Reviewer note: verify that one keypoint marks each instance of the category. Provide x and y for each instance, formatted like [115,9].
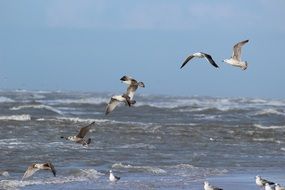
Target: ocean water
[162,142]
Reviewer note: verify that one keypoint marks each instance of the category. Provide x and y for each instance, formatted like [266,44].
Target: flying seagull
[261,182]
[116,100]
[200,55]
[112,177]
[133,85]
[79,138]
[35,167]
[207,186]
[235,60]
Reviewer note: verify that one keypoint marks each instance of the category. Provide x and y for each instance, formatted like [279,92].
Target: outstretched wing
[237,50]
[51,167]
[29,172]
[131,91]
[84,130]
[111,105]
[210,60]
[187,60]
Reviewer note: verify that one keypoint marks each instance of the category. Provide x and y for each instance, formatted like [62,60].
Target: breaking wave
[138,145]
[37,107]
[24,117]
[81,175]
[268,127]
[92,101]
[269,111]
[149,169]
[4,99]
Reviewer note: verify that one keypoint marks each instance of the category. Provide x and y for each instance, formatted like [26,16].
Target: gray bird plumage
[235,59]
[35,167]
[133,85]
[116,100]
[79,138]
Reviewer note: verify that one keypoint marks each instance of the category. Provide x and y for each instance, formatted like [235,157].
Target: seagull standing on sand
[35,167]
[235,60]
[79,138]
[116,100]
[200,55]
[261,182]
[207,186]
[133,85]
[112,177]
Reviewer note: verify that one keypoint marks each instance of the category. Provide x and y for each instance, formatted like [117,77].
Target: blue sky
[88,45]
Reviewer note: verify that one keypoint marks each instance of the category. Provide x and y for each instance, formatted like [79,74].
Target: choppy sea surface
[162,142]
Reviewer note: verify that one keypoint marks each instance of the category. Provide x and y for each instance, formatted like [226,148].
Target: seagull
[112,177]
[207,186]
[35,167]
[133,85]
[115,100]
[268,187]
[79,138]
[235,60]
[278,187]
[261,182]
[200,55]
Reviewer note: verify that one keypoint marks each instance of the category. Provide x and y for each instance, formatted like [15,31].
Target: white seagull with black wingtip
[235,60]
[79,138]
[35,167]
[200,55]
[112,177]
[133,85]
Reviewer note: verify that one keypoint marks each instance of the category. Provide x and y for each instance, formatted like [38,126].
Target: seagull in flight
[79,138]
[235,60]
[200,55]
[116,100]
[35,167]
[133,85]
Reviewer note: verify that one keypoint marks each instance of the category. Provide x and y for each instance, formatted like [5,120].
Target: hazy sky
[88,45]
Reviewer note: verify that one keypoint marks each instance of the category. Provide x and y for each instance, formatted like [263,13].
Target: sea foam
[37,107]
[149,169]
[24,117]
